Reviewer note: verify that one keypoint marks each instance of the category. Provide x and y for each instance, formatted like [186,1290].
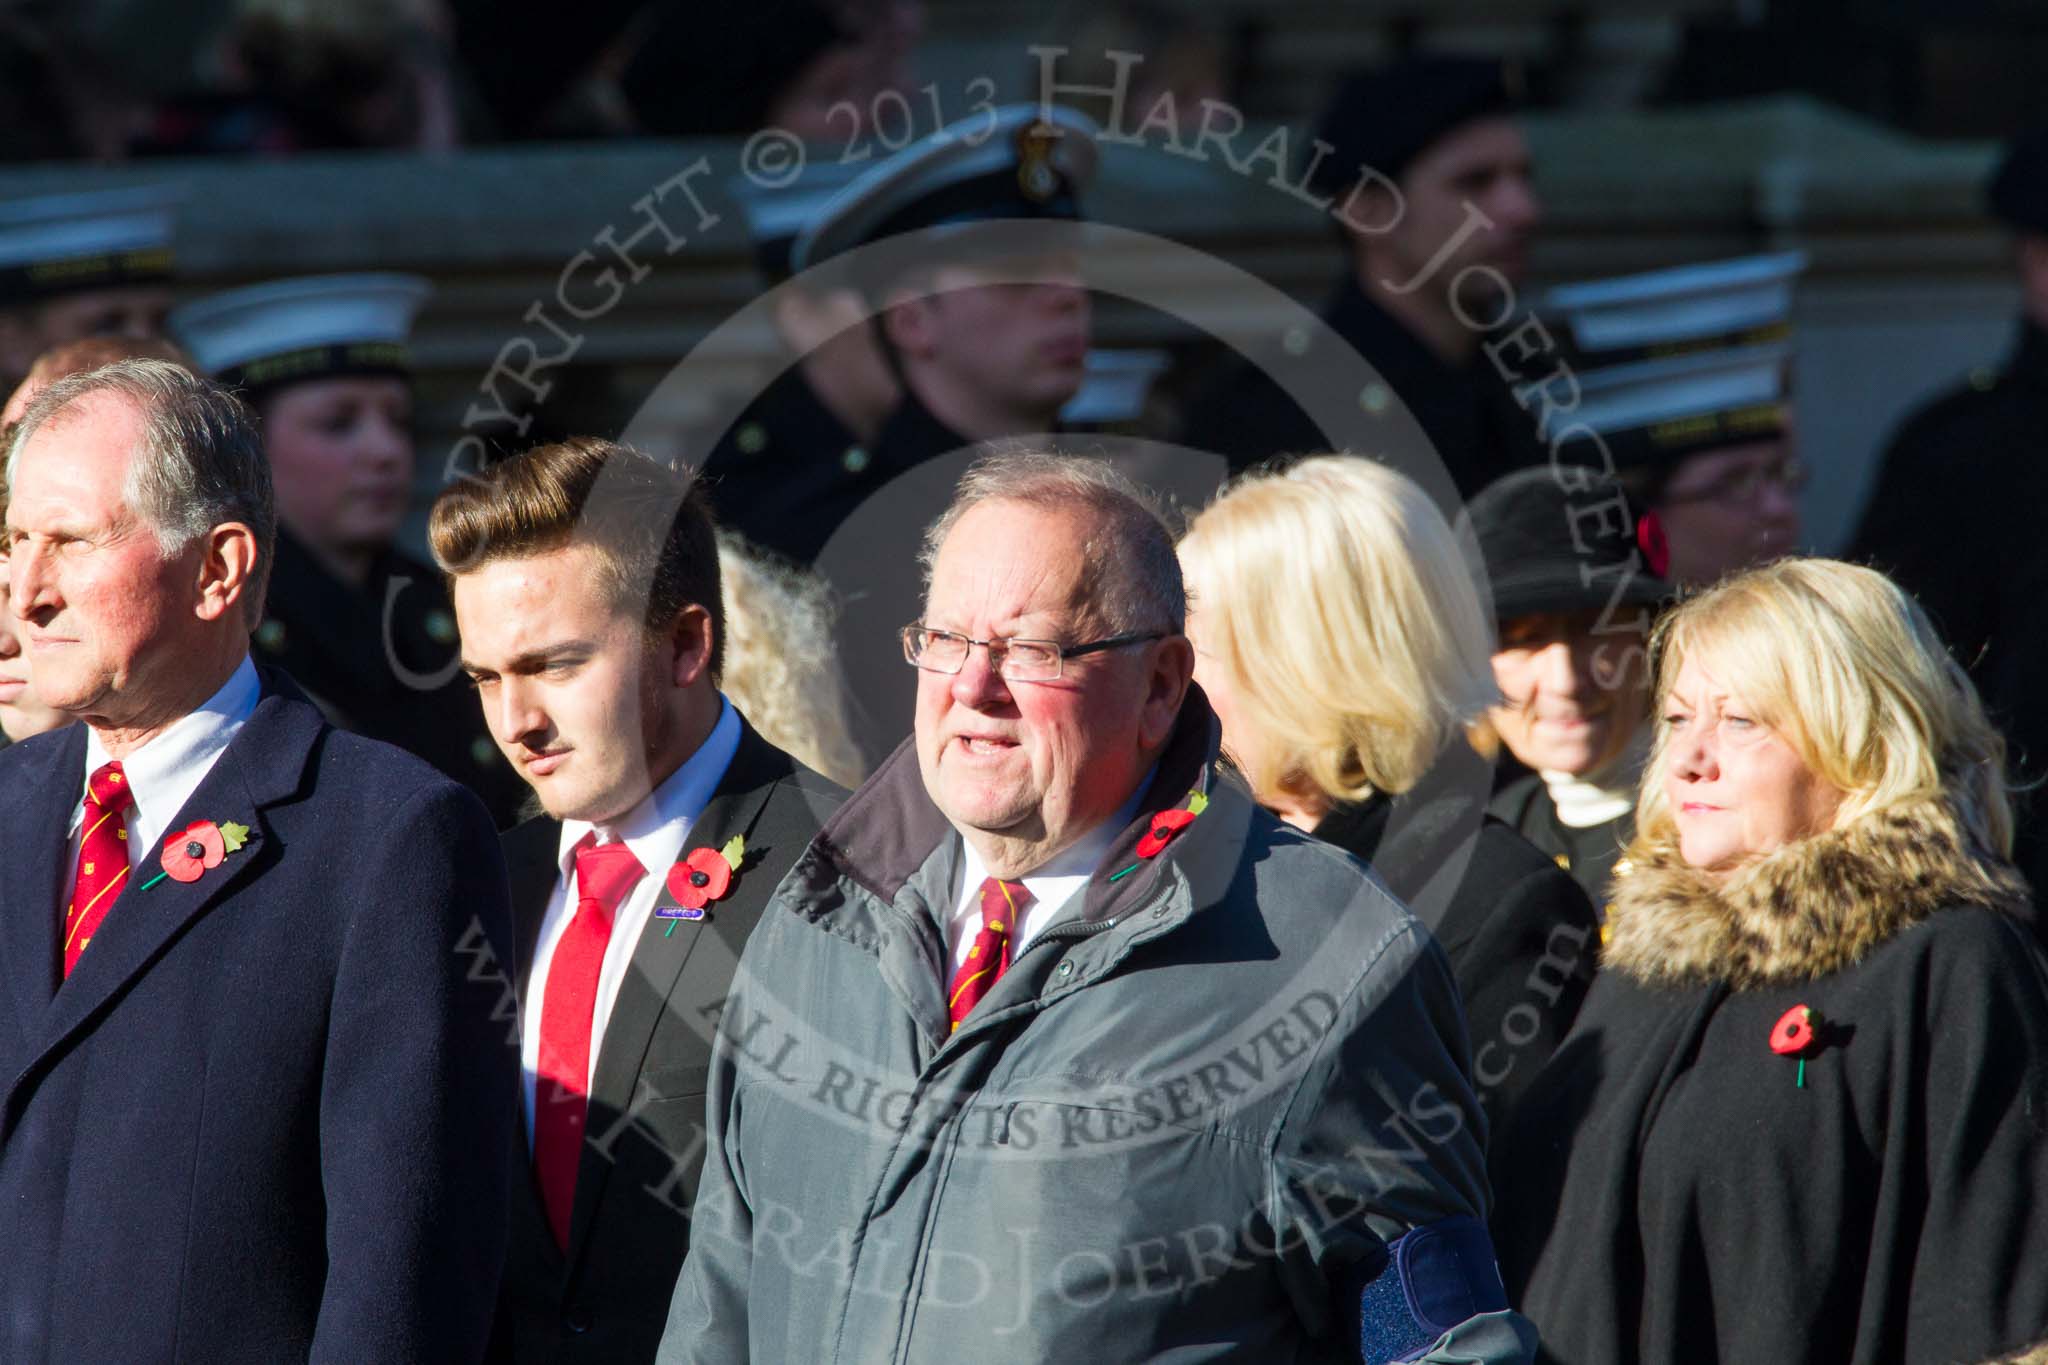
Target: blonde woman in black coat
[1800,1116]
[1339,637]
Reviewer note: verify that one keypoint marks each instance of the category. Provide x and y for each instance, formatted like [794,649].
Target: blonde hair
[1334,594]
[780,667]
[1842,663]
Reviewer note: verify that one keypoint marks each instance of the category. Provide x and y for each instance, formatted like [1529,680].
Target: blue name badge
[676,912]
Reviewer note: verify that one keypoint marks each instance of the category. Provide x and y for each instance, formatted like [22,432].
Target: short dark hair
[651,525]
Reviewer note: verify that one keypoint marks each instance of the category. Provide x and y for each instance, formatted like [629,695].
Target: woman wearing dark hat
[1573,595]
[365,630]
[1799,1117]
[1340,640]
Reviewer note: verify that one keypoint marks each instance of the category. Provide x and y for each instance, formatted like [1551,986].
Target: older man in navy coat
[252,1090]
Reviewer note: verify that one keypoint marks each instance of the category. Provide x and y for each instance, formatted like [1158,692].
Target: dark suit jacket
[607,1299]
[262,1119]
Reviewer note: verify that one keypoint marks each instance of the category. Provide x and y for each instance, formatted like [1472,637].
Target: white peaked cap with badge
[1683,359]
[778,214]
[323,322]
[1683,304]
[1017,161]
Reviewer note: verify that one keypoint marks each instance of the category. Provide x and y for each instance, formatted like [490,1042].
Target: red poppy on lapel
[1794,1031]
[1165,825]
[705,874]
[1797,1033]
[196,848]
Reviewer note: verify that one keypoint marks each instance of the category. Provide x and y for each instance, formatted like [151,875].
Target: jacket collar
[890,829]
[264,766]
[1812,908]
[879,876]
[1395,352]
[533,847]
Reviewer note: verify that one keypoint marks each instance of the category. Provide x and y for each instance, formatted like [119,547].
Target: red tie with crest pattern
[561,1095]
[102,858]
[1002,903]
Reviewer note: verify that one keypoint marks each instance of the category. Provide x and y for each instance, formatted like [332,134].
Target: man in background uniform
[368,632]
[810,431]
[79,265]
[988,343]
[1440,130]
[986,324]
[1954,518]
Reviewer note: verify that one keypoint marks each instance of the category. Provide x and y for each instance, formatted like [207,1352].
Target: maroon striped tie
[1001,904]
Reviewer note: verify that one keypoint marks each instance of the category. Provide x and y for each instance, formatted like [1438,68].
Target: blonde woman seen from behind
[781,670]
[1798,1117]
[1340,639]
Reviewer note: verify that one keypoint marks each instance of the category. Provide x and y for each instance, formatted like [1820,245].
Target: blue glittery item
[1436,1277]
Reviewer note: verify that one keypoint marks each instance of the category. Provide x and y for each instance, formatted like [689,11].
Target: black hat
[708,70]
[1566,540]
[1386,118]
[2019,187]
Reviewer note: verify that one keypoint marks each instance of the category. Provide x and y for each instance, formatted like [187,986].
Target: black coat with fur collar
[1672,1191]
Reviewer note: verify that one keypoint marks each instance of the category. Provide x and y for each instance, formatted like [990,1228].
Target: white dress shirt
[165,772]
[657,830]
[1051,886]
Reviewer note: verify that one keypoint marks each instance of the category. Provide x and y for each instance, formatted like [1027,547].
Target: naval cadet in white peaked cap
[367,631]
[78,265]
[1684,379]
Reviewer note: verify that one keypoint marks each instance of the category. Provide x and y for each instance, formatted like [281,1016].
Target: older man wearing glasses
[1054,1046]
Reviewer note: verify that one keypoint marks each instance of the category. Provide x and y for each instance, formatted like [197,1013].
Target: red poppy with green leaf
[705,874]
[200,846]
[1165,825]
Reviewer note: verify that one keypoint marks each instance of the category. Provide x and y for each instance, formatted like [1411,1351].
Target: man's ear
[1166,688]
[228,561]
[910,324]
[689,644]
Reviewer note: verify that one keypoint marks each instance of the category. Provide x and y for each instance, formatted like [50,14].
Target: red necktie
[102,859]
[1002,903]
[604,874]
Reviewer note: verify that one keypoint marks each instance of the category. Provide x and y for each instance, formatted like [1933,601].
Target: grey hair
[1136,574]
[200,463]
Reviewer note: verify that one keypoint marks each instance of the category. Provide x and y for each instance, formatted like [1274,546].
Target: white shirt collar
[1052,886]
[164,772]
[658,827]
[656,831]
